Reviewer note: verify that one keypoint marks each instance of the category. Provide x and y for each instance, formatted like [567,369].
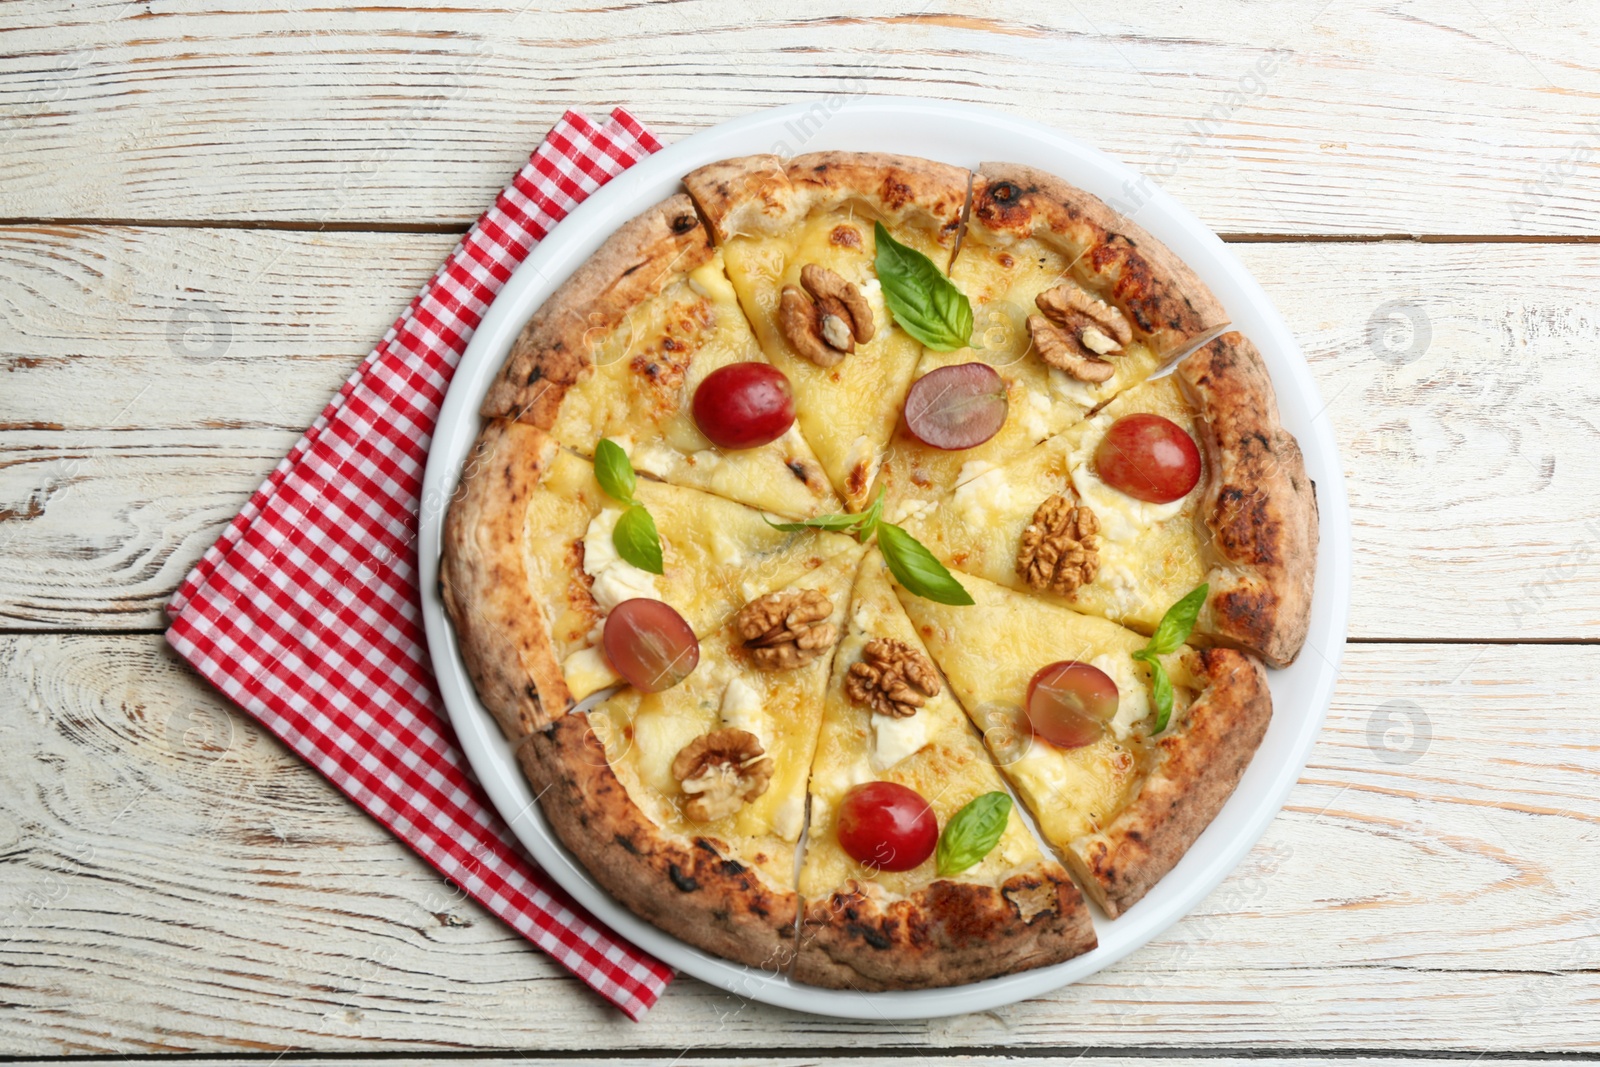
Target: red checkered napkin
[306,611]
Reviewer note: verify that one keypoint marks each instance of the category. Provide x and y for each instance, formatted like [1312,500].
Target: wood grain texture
[689,1058]
[98,529]
[114,327]
[1458,379]
[173,880]
[1301,117]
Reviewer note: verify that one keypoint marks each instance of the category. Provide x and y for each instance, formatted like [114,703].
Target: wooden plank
[174,881]
[97,529]
[1458,380]
[205,329]
[1099,1057]
[1358,117]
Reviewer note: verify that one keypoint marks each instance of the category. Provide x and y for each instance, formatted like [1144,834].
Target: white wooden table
[208,213]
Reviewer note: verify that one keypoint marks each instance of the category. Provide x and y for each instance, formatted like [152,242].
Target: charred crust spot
[626,844]
[684,882]
[1001,207]
[965,910]
[845,236]
[732,868]
[682,224]
[534,375]
[896,193]
[1249,612]
[870,934]
[856,481]
[1246,526]
[669,345]
[707,847]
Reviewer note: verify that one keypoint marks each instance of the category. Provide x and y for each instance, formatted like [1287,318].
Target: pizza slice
[620,351]
[688,804]
[885,910]
[799,242]
[1072,304]
[1069,715]
[531,569]
[1074,520]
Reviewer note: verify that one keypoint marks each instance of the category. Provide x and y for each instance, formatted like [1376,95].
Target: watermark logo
[199,329]
[202,733]
[1399,732]
[1399,332]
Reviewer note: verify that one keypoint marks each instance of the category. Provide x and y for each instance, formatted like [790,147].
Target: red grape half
[650,644]
[1149,458]
[1069,703]
[887,826]
[744,405]
[957,407]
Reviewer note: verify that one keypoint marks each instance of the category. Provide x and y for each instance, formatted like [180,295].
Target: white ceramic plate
[963,135]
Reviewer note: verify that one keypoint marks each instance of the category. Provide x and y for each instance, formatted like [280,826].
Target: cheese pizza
[854,540]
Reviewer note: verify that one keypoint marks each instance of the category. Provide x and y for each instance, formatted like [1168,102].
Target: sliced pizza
[917,870]
[531,569]
[800,245]
[1072,304]
[621,351]
[1182,480]
[688,804]
[1119,786]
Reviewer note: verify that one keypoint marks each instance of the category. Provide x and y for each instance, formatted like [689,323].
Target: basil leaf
[1178,622]
[839,523]
[636,539]
[860,523]
[873,515]
[1160,692]
[914,567]
[972,833]
[614,472]
[925,303]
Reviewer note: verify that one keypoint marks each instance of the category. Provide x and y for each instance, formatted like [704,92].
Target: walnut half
[1060,547]
[826,325]
[1076,331]
[892,678]
[787,629]
[721,771]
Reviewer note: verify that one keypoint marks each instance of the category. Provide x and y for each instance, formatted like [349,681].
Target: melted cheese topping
[743,708]
[847,411]
[615,579]
[639,388]
[935,752]
[895,737]
[989,651]
[1002,278]
[1150,554]
[1122,517]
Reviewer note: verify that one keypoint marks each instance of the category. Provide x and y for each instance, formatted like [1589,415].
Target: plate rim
[946,126]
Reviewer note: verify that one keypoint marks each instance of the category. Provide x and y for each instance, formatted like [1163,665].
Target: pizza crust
[1258,509]
[483,578]
[949,933]
[765,196]
[1112,255]
[1198,764]
[688,887]
[553,350]
[1258,506]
